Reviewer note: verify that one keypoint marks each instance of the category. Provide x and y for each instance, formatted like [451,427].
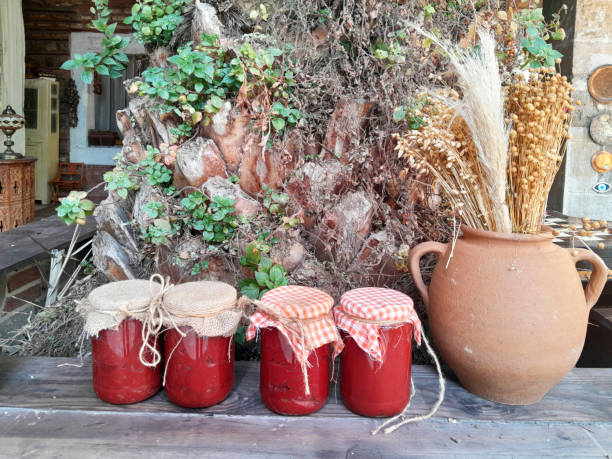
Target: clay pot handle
[416,254]
[599,276]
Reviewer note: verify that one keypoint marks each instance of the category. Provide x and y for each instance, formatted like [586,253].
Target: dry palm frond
[482,109]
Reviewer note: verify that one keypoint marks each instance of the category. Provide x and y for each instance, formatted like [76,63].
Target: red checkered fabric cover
[376,304]
[304,303]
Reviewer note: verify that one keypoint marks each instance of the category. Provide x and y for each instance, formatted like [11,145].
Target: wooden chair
[70,176]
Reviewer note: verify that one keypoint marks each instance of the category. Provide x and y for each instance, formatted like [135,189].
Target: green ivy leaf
[277,273]
[278,123]
[87,76]
[262,278]
[249,288]
[68,65]
[102,70]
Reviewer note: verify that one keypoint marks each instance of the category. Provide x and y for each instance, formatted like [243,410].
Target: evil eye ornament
[602,187]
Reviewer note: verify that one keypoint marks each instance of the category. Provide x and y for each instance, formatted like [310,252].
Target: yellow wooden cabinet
[41,112]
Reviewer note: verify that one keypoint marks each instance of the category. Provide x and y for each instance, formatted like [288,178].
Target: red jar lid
[363,311]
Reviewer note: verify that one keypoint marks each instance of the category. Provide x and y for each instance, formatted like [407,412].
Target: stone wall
[592,48]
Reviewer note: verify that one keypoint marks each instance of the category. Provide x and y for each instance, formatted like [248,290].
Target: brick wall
[19,287]
[48,25]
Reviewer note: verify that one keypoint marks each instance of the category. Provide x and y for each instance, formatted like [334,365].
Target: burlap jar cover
[303,316]
[110,304]
[364,311]
[208,307]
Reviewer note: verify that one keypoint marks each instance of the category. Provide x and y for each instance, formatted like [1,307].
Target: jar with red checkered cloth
[297,328]
[377,328]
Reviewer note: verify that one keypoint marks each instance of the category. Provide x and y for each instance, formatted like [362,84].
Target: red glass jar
[282,381]
[119,376]
[372,388]
[200,370]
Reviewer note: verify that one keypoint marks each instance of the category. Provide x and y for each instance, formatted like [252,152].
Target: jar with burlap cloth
[116,316]
[377,327]
[200,320]
[296,331]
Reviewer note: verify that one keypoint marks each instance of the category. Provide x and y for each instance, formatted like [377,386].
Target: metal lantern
[9,123]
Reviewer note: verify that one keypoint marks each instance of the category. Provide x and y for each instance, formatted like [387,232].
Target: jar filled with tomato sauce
[297,331]
[201,319]
[125,370]
[377,326]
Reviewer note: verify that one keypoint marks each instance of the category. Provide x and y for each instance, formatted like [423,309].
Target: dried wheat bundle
[539,108]
[482,109]
[444,150]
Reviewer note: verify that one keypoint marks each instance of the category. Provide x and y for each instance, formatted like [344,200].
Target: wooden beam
[49,408]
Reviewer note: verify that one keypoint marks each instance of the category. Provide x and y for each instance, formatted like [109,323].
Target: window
[111,96]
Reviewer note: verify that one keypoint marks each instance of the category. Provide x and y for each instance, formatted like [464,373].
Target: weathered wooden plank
[74,434]
[585,395]
[17,247]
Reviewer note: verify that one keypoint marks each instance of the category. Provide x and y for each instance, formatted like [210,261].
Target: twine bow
[292,328]
[154,320]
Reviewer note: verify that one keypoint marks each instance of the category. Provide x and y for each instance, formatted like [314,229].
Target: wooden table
[49,409]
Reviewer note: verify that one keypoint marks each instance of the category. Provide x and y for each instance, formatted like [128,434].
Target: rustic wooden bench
[26,243]
[48,409]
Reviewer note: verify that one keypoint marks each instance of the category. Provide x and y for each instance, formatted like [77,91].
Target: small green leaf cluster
[268,275]
[537,51]
[412,113]
[154,209]
[111,61]
[202,77]
[284,115]
[182,130]
[215,219]
[324,14]
[154,21]
[159,232]
[393,51]
[75,208]
[428,11]
[199,267]
[155,172]
[123,180]
[197,83]
[262,13]
[120,181]
[273,201]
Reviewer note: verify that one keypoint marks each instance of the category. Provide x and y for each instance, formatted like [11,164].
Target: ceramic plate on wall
[600,84]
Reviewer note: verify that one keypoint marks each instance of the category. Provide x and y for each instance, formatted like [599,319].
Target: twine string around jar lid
[292,326]
[154,320]
[295,329]
[182,306]
[384,307]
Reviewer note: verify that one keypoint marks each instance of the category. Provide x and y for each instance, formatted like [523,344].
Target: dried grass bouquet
[494,151]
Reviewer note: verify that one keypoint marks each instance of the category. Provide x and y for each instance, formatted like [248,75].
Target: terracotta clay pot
[508,312]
